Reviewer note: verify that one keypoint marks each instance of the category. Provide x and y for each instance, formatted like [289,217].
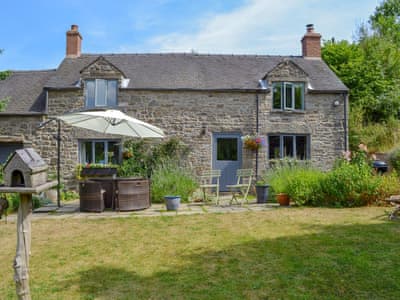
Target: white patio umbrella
[112,121]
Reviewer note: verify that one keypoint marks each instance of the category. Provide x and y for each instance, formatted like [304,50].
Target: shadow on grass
[335,262]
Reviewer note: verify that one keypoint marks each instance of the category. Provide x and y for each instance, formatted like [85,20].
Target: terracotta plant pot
[283,199]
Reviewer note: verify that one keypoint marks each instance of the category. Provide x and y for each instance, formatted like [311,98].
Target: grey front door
[227,156]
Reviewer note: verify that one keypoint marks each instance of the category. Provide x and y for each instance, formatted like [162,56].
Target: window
[6,149]
[294,146]
[288,95]
[101,92]
[227,149]
[99,152]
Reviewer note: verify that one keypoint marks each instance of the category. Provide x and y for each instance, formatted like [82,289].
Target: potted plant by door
[262,191]
[283,199]
[279,187]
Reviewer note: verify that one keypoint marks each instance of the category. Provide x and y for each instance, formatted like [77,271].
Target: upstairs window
[101,92]
[288,95]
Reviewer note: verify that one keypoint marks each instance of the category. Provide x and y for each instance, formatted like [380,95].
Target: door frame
[215,136]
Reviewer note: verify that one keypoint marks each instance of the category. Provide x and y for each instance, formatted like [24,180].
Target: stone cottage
[295,103]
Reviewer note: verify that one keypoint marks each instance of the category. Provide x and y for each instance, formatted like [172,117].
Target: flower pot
[108,171]
[172,202]
[283,199]
[262,193]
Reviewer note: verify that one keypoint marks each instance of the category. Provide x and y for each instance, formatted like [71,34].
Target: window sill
[288,111]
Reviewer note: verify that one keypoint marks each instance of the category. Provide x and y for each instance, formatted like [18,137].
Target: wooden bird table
[21,261]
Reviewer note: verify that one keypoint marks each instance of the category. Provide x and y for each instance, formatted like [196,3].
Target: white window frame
[292,85]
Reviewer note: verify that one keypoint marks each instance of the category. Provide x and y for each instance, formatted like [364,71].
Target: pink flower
[363,147]
[347,155]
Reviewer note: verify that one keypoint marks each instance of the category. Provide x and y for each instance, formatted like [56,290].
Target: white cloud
[249,29]
[267,27]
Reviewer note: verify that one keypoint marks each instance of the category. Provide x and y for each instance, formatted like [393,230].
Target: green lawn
[306,253]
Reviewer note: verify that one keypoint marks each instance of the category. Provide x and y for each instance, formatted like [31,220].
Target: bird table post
[25,173]
[21,261]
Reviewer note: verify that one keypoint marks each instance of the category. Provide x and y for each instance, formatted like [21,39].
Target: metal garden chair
[242,186]
[209,180]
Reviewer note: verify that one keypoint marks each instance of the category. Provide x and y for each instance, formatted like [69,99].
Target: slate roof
[24,91]
[195,71]
[161,71]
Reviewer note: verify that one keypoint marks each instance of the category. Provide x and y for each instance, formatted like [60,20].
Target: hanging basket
[253,143]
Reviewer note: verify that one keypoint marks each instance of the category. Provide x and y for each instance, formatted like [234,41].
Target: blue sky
[33,32]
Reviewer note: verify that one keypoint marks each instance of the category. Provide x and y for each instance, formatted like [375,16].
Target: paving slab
[71,210]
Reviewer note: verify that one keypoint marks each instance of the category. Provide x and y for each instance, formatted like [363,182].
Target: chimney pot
[311,43]
[310,27]
[74,42]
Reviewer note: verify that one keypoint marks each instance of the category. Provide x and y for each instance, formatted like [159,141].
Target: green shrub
[389,185]
[171,179]
[304,186]
[394,159]
[14,200]
[352,183]
[279,174]
[68,195]
[379,137]
[140,158]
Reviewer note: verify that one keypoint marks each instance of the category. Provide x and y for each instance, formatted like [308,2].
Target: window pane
[101,92]
[288,95]
[277,95]
[99,153]
[87,153]
[274,146]
[112,86]
[301,147]
[298,94]
[90,93]
[288,146]
[227,149]
[113,152]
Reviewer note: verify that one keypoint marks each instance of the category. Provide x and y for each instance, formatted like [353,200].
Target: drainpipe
[346,122]
[58,162]
[257,128]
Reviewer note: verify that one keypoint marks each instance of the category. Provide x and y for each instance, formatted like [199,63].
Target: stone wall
[321,120]
[192,116]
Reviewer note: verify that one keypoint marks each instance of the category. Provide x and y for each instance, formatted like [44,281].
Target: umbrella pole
[58,162]
[58,138]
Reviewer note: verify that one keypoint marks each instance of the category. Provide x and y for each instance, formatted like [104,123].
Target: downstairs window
[99,151]
[290,146]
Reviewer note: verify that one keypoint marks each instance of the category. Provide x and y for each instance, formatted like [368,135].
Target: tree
[385,21]
[4,74]
[370,68]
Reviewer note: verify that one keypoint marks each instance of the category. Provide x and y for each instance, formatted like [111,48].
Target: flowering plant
[252,142]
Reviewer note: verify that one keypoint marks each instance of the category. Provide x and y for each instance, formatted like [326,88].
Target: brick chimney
[311,43]
[74,40]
